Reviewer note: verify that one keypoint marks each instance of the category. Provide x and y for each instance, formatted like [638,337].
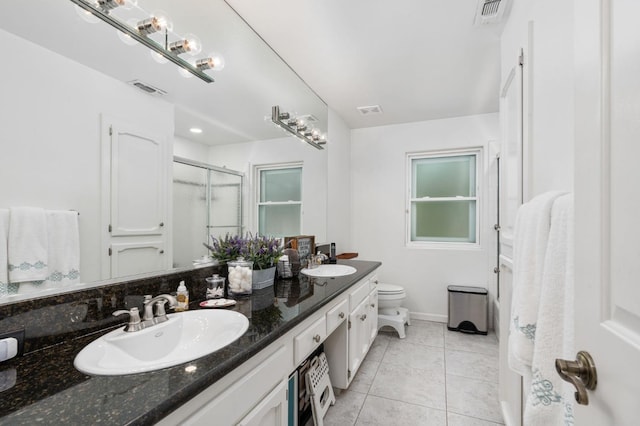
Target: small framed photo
[305,244]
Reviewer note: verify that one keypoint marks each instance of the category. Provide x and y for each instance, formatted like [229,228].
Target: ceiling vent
[370,110]
[309,118]
[147,88]
[490,11]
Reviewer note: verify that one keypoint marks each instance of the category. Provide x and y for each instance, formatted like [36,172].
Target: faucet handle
[134,319]
[148,308]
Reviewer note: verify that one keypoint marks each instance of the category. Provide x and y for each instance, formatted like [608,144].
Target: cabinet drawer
[336,315]
[305,342]
[373,282]
[358,295]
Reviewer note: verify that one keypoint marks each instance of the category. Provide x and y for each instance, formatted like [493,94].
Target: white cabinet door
[358,336]
[134,202]
[271,411]
[372,317]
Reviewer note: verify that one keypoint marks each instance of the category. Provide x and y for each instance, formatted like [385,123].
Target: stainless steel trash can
[468,309]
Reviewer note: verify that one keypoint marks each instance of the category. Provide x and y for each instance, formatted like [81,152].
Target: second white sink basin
[184,337]
[328,271]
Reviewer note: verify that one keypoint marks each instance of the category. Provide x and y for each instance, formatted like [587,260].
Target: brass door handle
[581,373]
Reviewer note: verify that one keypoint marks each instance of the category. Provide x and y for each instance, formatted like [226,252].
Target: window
[279,200]
[443,201]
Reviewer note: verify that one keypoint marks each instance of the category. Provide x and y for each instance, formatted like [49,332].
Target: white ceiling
[417,59]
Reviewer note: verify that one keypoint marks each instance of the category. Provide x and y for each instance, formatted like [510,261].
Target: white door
[134,203]
[607,197]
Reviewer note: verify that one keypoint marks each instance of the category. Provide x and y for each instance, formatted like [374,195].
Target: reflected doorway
[207,200]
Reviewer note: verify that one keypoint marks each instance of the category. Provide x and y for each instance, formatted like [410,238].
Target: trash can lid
[466,289]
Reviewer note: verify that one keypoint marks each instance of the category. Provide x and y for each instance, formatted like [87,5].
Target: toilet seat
[389,289]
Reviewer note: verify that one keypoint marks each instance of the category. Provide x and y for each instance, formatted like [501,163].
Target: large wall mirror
[64,78]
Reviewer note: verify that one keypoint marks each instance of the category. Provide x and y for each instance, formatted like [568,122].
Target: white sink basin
[184,337]
[328,271]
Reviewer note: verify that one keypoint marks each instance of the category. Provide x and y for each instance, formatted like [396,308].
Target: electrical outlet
[19,336]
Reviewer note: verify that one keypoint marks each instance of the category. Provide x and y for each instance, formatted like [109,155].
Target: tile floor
[433,377]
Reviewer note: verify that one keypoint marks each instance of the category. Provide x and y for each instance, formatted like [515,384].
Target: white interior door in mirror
[133,258]
[135,167]
[137,183]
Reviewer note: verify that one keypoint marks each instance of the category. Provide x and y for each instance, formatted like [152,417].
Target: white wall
[339,183]
[50,111]
[243,157]
[378,189]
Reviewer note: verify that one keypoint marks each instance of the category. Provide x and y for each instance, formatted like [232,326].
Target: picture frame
[305,244]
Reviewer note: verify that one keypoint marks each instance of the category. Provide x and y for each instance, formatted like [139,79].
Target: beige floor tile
[385,412]
[473,398]
[379,346]
[474,365]
[411,385]
[471,342]
[425,333]
[346,409]
[415,355]
[364,376]
[458,420]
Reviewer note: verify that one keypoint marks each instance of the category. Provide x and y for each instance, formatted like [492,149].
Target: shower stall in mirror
[207,200]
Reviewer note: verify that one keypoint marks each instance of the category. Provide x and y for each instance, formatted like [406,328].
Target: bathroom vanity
[243,383]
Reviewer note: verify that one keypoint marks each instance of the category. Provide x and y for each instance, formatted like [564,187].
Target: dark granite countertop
[49,390]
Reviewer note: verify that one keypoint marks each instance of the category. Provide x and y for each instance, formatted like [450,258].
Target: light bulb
[213,62]
[195,46]
[158,21]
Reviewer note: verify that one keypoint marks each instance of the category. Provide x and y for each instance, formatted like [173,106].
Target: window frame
[258,169]
[448,244]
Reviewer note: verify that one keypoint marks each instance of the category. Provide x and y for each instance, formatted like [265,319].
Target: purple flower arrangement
[263,251]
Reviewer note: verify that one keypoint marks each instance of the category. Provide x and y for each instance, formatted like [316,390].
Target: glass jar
[215,287]
[240,277]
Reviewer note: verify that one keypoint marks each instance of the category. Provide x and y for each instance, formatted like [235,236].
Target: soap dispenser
[182,295]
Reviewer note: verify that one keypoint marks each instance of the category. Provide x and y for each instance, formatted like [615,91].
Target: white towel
[4,260]
[64,248]
[28,244]
[529,246]
[550,399]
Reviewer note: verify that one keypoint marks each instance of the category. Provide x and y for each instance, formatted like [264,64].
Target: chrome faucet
[134,319]
[149,319]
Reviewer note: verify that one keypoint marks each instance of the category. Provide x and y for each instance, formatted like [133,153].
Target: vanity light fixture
[140,31]
[297,128]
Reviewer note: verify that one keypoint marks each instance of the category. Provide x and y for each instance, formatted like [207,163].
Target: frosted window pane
[452,221]
[281,185]
[444,176]
[279,220]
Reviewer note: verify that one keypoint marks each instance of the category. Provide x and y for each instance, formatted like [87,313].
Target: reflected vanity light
[297,128]
[142,29]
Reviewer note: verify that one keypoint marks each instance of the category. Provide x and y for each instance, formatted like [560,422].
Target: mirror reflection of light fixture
[157,22]
[297,128]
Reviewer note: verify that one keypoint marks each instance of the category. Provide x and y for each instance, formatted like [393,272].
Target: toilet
[390,313]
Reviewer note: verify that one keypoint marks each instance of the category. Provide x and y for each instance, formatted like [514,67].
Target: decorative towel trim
[26,266]
[529,330]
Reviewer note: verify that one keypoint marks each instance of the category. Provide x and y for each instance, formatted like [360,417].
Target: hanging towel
[64,248]
[4,260]
[28,244]
[529,245]
[550,399]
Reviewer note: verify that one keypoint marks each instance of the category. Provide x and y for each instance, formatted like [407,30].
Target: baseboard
[428,317]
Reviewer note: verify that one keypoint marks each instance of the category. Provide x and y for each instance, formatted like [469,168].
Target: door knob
[581,373]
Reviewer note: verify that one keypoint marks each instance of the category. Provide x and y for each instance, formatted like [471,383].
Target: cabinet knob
[363,317]
[317,338]
[161,224]
[373,305]
[161,251]
[341,314]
